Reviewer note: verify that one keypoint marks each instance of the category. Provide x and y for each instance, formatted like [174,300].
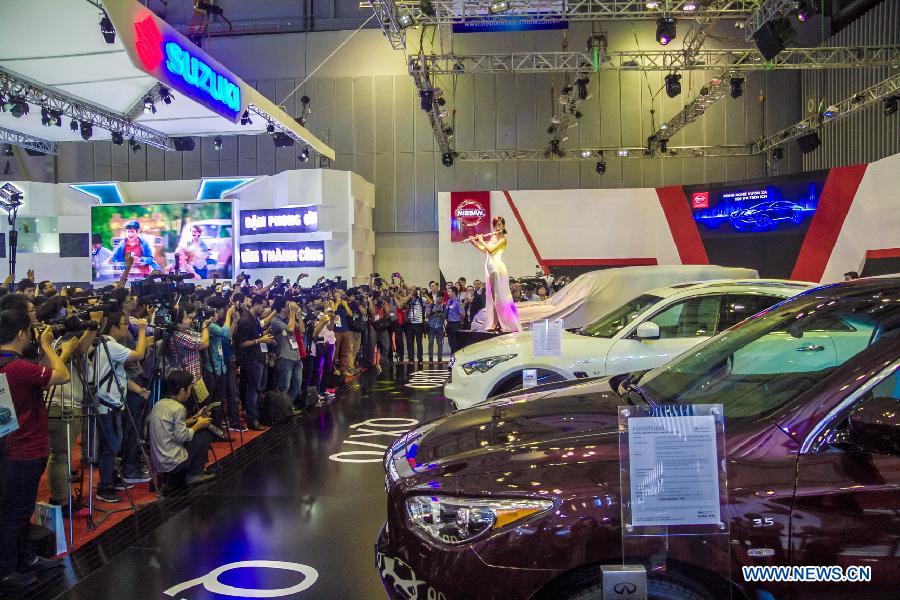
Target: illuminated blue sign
[215,189]
[282,255]
[104,193]
[198,74]
[784,206]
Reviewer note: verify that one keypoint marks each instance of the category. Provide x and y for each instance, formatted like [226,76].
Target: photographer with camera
[186,343]
[454,313]
[221,359]
[323,335]
[343,338]
[288,368]
[252,346]
[414,327]
[379,317]
[359,328]
[179,446]
[111,354]
[23,453]
[434,308]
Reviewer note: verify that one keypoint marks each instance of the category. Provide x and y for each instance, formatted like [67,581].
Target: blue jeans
[19,481]
[288,377]
[110,443]
[253,375]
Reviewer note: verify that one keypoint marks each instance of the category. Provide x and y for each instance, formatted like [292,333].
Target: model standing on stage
[499,310]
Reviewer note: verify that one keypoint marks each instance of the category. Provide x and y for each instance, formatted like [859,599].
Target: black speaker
[773,37]
[184,144]
[282,140]
[808,142]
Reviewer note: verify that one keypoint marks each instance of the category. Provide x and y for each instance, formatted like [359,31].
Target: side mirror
[648,330]
[875,425]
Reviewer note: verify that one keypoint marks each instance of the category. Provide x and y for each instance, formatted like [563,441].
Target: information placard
[295,219]
[546,338]
[8,420]
[529,378]
[271,255]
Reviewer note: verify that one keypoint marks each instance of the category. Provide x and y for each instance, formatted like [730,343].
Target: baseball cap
[132,225]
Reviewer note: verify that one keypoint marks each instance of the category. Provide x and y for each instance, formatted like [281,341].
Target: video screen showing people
[193,238]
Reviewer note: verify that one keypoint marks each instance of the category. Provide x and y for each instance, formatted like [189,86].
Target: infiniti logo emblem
[625,587]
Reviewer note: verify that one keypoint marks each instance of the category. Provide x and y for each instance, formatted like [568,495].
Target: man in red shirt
[24,452]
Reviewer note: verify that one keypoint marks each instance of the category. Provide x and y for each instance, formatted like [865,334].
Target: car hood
[502,434]
[520,343]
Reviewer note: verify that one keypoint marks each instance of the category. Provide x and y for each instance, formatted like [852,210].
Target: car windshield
[611,324]
[761,365]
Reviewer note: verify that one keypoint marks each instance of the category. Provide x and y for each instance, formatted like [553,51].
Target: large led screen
[186,237]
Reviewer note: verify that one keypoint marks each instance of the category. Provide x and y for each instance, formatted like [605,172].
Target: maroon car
[520,497]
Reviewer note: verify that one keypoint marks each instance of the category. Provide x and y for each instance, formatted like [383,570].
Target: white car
[644,333]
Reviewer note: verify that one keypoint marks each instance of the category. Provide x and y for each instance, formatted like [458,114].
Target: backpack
[276,408]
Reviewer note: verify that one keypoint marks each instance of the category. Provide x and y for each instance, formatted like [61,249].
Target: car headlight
[483,365]
[459,520]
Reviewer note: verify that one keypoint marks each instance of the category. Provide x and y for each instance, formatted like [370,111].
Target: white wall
[413,255]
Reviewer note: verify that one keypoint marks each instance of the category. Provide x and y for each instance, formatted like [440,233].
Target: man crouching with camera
[179,445]
[23,453]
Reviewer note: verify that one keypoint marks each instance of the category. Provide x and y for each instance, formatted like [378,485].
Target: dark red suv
[520,497]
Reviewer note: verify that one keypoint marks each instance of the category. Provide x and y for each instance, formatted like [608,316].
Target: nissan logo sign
[470,213]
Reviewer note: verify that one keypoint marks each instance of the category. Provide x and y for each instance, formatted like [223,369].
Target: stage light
[441,101]
[689,7]
[586,153]
[443,114]
[808,142]
[651,4]
[245,118]
[270,127]
[737,87]
[165,94]
[582,84]
[426,99]
[87,130]
[673,84]
[133,145]
[107,29]
[304,154]
[663,126]
[831,112]
[622,153]
[554,147]
[3,103]
[210,9]
[665,30]
[578,114]
[8,150]
[890,105]
[405,20]
[217,143]
[448,131]
[73,125]
[45,117]
[777,154]
[427,8]
[447,159]
[117,138]
[663,145]
[500,6]
[149,106]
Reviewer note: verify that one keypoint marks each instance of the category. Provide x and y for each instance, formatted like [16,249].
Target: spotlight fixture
[426,99]
[831,112]
[18,106]
[497,7]
[651,4]
[443,114]
[304,154]
[304,100]
[673,84]
[270,127]
[737,87]
[808,142]
[149,106]
[405,20]
[663,145]
[601,167]
[45,117]
[245,118]
[582,84]
[117,138]
[305,111]
[577,114]
[441,101]
[689,7]
[8,150]
[107,29]
[73,125]
[890,105]
[777,154]
[427,8]
[133,145]
[663,126]
[217,143]
[165,94]
[447,159]
[586,153]
[210,8]
[665,30]
[622,153]
[87,130]
[448,131]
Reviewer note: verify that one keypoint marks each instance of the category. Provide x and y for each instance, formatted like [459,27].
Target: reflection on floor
[301,517]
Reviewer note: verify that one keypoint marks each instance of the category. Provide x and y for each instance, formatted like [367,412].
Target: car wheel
[797,218]
[764,222]
[664,587]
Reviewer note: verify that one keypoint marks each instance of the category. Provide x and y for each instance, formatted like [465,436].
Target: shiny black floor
[315,499]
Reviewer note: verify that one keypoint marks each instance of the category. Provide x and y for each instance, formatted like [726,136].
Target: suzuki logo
[148,42]
[625,587]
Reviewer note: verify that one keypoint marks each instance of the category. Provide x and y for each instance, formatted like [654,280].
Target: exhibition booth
[312,221]
[811,226]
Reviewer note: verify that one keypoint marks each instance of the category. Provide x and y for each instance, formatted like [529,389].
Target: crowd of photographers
[121,368]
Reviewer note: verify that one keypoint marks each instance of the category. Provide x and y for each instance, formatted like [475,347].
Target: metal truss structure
[846,107]
[436,114]
[387,12]
[606,152]
[279,127]
[14,85]
[739,59]
[767,10]
[710,93]
[29,142]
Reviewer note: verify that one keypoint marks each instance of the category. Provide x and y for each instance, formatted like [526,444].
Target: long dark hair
[497,220]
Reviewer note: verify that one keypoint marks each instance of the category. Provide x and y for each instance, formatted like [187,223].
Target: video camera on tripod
[163,291]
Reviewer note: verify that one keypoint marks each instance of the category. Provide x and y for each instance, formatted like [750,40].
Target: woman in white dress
[500,312]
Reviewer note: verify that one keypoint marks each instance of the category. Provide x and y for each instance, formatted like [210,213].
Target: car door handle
[811,348]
